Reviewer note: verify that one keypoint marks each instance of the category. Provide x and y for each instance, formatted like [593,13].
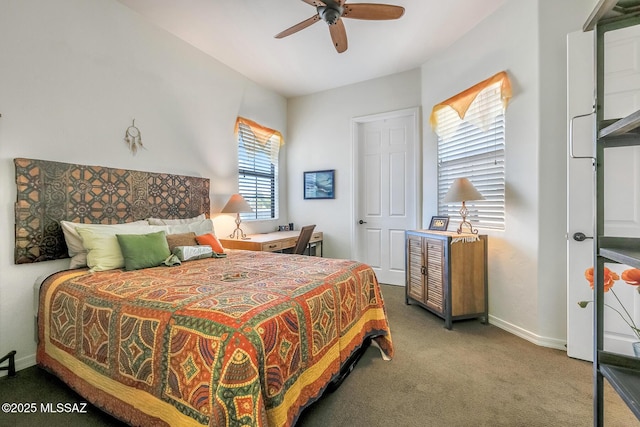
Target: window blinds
[258,149]
[474,147]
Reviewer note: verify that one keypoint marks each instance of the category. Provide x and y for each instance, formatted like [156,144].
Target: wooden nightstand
[446,273]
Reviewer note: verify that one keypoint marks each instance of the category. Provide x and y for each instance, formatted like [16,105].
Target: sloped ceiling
[240,34]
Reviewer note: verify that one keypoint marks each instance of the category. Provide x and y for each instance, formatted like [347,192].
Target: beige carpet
[473,375]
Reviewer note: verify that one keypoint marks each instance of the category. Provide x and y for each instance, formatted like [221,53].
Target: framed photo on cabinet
[439,223]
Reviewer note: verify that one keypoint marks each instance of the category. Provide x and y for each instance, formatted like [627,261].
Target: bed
[242,338]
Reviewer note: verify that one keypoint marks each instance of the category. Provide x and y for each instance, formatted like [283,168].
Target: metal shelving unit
[622,372]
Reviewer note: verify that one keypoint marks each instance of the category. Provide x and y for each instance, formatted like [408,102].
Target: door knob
[362,222]
[580,237]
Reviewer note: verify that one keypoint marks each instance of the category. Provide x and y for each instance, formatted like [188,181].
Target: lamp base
[463,213]
[468,225]
[238,233]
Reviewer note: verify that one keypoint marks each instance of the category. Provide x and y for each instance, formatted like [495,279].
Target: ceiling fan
[331,11]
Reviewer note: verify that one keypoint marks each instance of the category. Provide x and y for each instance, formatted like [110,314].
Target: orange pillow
[211,240]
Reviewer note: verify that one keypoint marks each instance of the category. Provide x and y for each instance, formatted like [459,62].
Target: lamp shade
[236,204]
[462,190]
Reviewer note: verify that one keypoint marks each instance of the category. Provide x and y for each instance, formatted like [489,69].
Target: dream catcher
[132,138]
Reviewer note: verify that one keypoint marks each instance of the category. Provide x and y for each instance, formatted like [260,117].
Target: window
[471,144]
[258,149]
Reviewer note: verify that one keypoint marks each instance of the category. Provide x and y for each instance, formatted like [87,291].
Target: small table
[271,242]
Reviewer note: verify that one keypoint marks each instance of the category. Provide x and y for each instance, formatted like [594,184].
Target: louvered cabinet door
[415,268]
[435,274]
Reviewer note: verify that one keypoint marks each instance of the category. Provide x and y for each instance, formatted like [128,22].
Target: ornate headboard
[49,192]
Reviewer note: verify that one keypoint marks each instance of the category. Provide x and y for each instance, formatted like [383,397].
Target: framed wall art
[319,184]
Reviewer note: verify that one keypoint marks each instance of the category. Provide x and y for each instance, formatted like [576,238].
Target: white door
[386,182]
[580,178]
[622,177]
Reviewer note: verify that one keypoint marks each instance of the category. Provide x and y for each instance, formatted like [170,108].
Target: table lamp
[237,204]
[462,190]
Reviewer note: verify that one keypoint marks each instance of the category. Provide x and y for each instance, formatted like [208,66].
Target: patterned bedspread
[251,339]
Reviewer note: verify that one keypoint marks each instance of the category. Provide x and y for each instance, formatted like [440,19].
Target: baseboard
[524,334]
[22,363]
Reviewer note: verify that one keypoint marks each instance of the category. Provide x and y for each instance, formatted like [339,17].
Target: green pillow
[143,250]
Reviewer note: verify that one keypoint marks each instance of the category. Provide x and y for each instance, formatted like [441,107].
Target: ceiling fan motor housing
[331,12]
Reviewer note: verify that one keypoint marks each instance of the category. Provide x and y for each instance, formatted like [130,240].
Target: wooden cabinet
[446,273]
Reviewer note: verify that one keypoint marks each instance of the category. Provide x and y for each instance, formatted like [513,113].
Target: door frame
[356,122]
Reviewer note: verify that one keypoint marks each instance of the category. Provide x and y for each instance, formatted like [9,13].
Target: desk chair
[303,239]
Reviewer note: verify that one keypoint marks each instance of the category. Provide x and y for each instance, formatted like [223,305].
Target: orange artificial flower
[632,277]
[609,277]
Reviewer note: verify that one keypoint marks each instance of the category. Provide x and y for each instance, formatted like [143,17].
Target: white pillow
[77,251]
[186,253]
[101,243]
[199,227]
[159,221]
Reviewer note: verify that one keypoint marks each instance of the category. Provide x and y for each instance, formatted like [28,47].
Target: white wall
[319,137]
[527,260]
[557,20]
[73,75]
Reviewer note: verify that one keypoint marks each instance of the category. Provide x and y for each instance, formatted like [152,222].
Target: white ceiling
[239,33]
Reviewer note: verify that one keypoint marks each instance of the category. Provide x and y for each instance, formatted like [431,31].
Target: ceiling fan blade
[372,11]
[314,3]
[339,36]
[299,26]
